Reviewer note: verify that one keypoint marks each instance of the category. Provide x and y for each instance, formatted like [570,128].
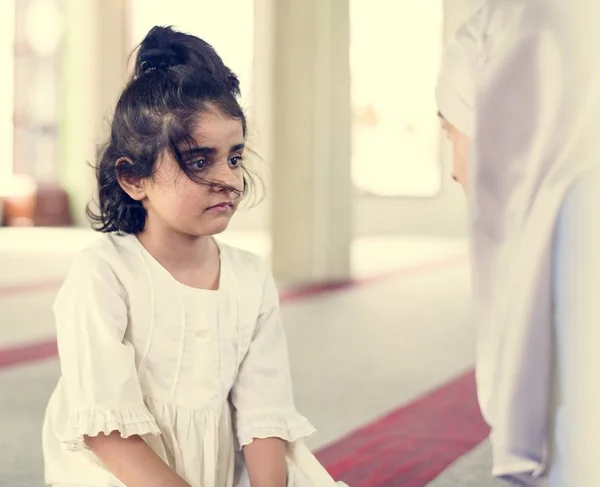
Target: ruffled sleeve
[262,395]
[99,377]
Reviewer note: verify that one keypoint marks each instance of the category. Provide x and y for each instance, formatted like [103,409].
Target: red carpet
[414,444]
[28,353]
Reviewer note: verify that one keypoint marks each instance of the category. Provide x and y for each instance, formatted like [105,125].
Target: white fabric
[575,435]
[537,99]
[196,373]
[455,87]
[303,470]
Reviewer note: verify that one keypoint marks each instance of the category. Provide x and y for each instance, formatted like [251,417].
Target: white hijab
[535,94]
[454,90]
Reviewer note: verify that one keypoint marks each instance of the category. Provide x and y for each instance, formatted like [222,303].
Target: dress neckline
[223,269]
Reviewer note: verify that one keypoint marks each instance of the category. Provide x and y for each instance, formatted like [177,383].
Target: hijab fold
[535,92]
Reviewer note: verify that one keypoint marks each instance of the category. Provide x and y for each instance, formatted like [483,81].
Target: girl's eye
[199,165]
[236,161]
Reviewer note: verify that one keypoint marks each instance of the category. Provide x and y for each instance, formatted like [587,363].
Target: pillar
[94,72]
[302,83]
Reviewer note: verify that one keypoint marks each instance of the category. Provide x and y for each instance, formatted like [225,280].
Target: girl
[532,186]
[173,356]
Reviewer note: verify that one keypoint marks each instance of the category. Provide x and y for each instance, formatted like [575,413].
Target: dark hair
[176,77]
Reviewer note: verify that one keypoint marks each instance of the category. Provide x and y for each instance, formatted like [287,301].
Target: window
[7,61]
[394,58]
[37,37]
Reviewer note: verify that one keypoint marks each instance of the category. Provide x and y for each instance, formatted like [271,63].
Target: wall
[93,73]
[7,48]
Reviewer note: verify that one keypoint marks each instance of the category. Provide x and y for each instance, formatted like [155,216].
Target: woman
[532,90]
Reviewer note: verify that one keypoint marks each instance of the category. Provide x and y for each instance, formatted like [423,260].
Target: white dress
[196,373]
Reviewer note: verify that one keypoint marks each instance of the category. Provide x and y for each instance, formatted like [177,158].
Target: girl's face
[460,152]
[175,202]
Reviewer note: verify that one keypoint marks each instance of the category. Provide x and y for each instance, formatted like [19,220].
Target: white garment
[536,105]
[455,87]
[575,435]
[194,372]
[574,431]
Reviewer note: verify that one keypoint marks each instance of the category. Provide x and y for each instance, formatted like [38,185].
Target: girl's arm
[133,462]
[265,460]
[103,396]
[266,419]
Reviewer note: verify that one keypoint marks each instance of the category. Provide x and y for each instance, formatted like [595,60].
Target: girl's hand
[133,462]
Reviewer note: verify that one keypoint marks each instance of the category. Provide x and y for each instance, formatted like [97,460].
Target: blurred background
[361,223]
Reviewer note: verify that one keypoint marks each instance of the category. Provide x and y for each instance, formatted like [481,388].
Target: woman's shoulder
[516,19]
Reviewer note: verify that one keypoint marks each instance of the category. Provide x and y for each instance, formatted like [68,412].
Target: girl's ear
[132,185]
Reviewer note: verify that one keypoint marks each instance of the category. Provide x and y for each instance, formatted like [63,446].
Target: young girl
[173,356]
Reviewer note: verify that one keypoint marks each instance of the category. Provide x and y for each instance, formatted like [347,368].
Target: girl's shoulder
[244,263]
[252,275]
[106,258]
[106,250]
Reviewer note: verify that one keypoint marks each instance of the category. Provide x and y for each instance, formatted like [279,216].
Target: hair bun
[153,59]
[156,51]
[164,48]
